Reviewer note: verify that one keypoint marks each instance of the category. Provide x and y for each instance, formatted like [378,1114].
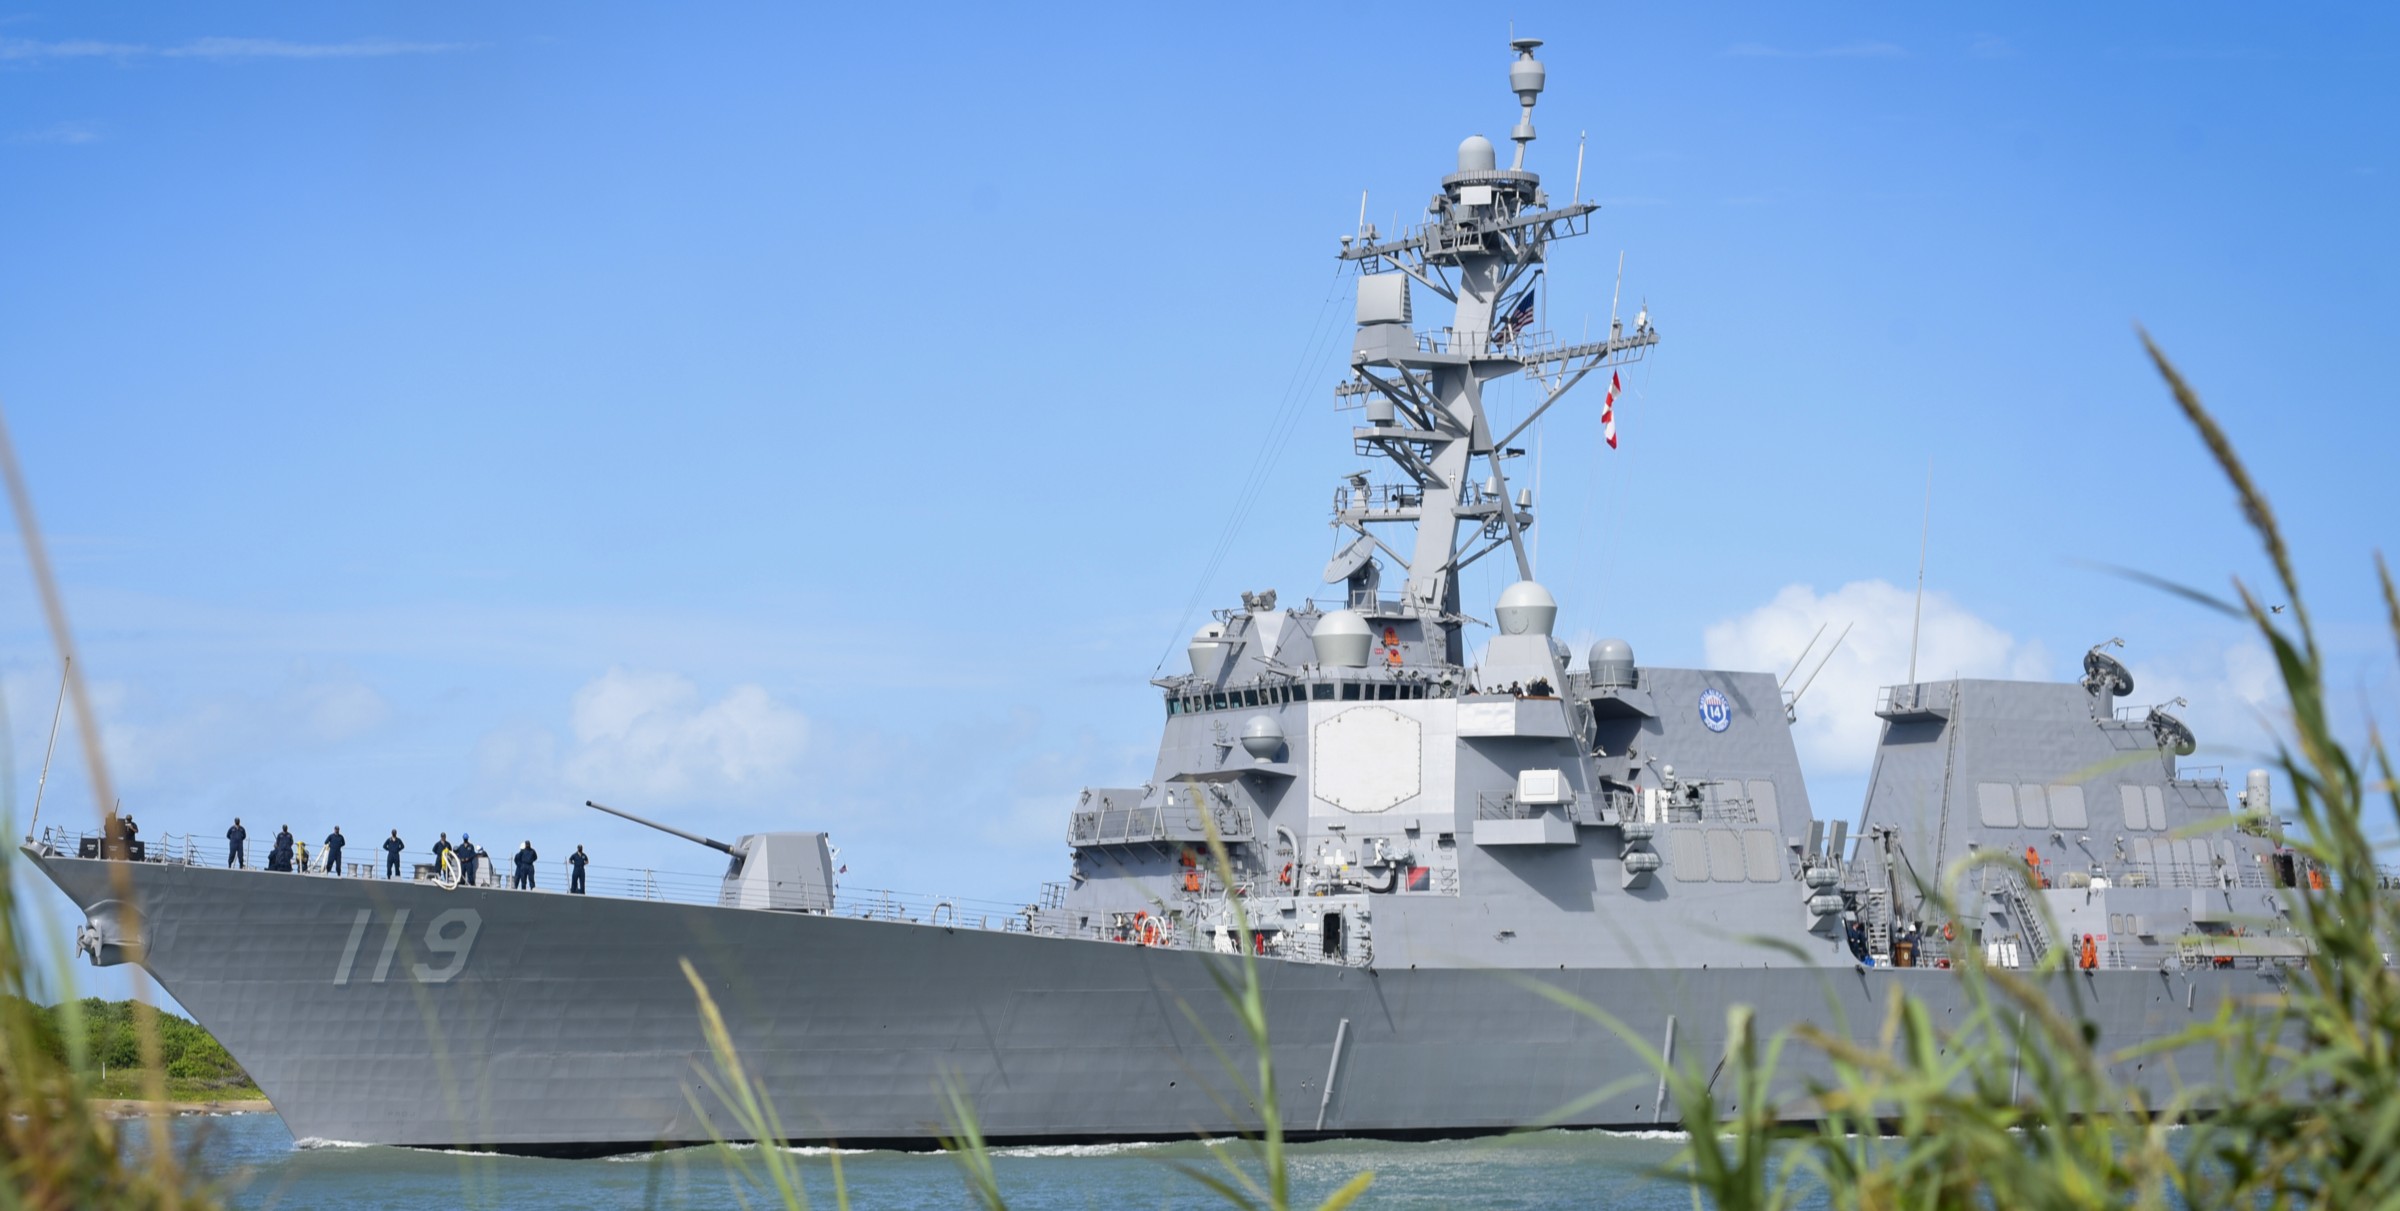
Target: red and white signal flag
[1608,411]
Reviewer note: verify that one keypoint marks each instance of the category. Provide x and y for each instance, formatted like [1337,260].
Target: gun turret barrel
[712,844]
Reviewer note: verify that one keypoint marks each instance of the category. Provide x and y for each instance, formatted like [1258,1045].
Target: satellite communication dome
[1262,737]
[1206,649]
[1475,154]
[1342,639]
[1526,608]
[1612,662]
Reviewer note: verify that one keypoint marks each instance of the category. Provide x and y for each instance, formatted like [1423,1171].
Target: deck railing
[554,875]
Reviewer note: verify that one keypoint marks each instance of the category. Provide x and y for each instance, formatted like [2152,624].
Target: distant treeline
[190,1053]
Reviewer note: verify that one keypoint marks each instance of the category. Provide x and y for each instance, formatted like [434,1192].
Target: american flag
[1516,313]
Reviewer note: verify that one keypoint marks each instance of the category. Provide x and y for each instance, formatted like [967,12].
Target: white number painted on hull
[450,935]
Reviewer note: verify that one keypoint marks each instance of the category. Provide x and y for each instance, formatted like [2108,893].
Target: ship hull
[399,1013]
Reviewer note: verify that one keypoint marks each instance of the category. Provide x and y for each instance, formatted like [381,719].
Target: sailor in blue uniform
[577,861]
[392,849]
[233,845]
[333,851]
[525,860]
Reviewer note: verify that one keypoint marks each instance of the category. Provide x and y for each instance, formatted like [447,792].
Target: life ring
[1286,877]
[1949,933]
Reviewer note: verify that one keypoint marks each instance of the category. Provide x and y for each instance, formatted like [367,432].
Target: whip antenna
[55,712]
[1917,627]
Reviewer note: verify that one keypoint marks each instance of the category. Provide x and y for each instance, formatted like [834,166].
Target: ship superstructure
[1417,825]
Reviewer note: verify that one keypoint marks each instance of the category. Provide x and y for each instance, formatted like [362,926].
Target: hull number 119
[449,936]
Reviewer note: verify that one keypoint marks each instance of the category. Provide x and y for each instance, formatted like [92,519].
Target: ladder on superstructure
[1879,924]
[2029,923]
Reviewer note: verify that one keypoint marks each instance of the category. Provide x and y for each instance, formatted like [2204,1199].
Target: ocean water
[257,1163]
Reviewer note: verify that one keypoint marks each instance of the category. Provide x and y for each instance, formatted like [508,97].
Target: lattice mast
[1486,235]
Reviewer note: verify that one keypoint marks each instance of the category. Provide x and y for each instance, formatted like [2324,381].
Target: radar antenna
[1525,77]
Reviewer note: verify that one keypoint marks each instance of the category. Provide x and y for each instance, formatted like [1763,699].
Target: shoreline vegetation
[2011,1105]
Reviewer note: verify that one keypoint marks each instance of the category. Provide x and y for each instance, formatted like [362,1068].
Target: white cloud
[650,738]
[650,731]
[2232,696]
[1837,727]
[179,746]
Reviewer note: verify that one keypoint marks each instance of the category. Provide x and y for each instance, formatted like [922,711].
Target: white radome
[1526,608]
[1342,639]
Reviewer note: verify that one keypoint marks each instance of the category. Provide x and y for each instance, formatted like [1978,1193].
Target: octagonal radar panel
[1366,759]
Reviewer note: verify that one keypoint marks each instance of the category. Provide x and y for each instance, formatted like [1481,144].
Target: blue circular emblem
[1715,711]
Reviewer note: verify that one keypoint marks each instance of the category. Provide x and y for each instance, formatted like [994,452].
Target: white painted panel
[1999,803]
[1487,718]
[1541,786]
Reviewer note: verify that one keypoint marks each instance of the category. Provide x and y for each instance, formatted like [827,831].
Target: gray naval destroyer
[1414,835]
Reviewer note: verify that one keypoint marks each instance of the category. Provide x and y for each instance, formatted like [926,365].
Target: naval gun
[787,872]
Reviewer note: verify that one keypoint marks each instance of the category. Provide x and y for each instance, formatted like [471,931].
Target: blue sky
[785,418]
